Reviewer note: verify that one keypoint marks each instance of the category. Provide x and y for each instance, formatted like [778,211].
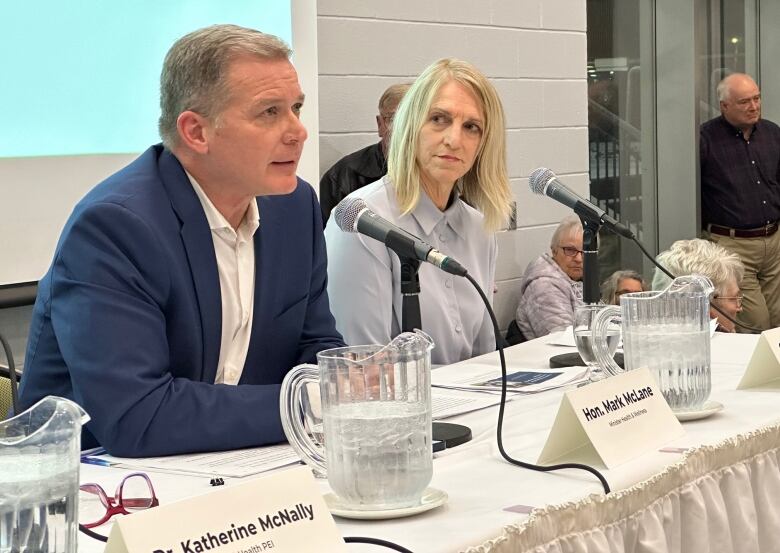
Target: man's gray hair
[568,224]
[700,257]
[392,96]
[610,286]
[724,86]
[194,73]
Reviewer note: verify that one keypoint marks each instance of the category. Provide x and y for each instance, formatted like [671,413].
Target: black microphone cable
[91,534]
[502,405]
[377,541]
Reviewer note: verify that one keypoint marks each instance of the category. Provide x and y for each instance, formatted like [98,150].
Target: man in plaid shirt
[740,194]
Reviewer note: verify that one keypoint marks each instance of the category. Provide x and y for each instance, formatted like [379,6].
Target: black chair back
[513,334]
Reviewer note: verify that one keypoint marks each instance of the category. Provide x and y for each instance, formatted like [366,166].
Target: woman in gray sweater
[552,284]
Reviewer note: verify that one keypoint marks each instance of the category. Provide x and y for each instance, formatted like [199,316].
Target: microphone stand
[410,294]
[447,433]
[590,261]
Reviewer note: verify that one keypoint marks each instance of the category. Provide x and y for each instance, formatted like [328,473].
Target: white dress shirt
[364,284]
[235,251]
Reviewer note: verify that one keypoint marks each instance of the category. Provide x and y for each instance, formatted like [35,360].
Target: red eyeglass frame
[116,505]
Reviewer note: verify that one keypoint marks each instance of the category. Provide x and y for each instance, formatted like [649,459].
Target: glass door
[616,93]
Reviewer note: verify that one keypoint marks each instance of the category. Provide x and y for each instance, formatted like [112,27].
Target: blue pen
[87,457]
[95,461]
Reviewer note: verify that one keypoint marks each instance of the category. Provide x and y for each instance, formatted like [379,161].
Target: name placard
[763,369]
[283,513]
[611,421]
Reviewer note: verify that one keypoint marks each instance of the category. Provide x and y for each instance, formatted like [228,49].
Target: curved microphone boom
[353,215]
[543,181]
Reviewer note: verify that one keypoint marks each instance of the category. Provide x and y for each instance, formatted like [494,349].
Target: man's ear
[192,128]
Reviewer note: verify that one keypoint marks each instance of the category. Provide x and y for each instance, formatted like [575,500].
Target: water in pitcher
[39,477]
[678,358]
[379,453]
[374,402]
[37,515]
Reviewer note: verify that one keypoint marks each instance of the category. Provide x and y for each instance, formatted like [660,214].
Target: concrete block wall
[533,50]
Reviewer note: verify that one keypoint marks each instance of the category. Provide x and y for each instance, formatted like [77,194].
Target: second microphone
[353,215]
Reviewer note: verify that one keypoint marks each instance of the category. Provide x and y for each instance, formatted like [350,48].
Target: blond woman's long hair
[486,185]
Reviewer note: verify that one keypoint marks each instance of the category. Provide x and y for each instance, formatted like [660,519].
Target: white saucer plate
[708,409]
[431,499]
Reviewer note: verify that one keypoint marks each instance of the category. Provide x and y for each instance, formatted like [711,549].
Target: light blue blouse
[364,277]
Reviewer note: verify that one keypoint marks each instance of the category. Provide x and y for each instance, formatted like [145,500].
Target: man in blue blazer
[185,286]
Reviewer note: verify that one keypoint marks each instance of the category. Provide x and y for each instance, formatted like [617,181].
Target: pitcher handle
[290,409]
[603,319]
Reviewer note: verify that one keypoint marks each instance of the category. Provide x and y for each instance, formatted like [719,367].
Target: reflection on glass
[615,123]
[622,104]
[722,44]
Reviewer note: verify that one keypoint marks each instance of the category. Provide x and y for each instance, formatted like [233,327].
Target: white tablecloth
[486,493]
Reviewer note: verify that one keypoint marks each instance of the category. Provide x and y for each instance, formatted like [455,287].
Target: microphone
[543,181]
[353,215]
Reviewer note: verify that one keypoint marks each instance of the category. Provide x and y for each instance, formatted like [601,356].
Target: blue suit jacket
[128,318]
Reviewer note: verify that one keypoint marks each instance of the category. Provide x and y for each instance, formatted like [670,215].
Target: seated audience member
[364,166]
[552,284]
[446,184]
[619,283]
[173,307]
[722,267]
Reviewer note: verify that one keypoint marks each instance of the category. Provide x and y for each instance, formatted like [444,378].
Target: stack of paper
[481,377]
[448,402]
[234,464]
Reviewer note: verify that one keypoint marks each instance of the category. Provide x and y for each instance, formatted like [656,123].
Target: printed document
[232,464]
[482,377]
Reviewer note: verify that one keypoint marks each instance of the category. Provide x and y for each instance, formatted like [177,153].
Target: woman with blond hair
[446,184]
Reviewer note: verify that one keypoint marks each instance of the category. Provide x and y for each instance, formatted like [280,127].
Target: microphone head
[539,180]
[347,212]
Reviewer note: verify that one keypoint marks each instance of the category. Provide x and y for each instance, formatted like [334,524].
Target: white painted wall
[533,50]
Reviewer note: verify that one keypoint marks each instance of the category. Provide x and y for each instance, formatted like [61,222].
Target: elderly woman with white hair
[552,284]
[722,267]
[447,184]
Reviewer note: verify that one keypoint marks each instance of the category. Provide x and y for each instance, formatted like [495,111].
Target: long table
[486,494]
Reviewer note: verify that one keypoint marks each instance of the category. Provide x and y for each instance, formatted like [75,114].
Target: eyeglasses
[621,292]
[134,493]
[570,251]
[736,299]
